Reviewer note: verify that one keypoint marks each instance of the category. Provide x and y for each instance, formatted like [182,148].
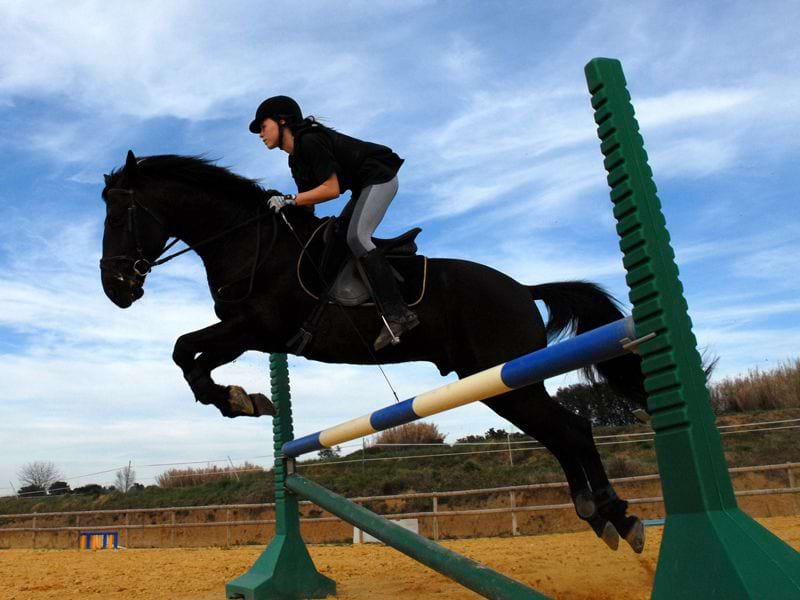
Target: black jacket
[319,152]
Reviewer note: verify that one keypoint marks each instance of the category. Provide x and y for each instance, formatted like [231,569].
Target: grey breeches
[369,209]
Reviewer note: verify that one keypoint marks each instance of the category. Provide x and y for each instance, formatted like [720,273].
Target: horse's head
[133,237]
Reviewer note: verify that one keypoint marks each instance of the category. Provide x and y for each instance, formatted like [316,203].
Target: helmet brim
[255,126]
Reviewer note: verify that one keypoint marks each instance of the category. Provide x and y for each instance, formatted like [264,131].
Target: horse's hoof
[635,536]
[242,404]
[262,405]
[610,536]
[239,402]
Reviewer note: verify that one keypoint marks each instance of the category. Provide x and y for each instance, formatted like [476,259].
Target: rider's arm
[328,190]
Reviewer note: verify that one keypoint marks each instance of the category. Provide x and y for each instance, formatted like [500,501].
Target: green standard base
[284,571]
[724,554]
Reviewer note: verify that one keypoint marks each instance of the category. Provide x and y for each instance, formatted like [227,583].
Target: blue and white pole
[597,345]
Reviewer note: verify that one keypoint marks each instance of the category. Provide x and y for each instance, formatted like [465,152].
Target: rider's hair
[308,123]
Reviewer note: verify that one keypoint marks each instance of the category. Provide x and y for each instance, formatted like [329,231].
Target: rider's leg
[369,209]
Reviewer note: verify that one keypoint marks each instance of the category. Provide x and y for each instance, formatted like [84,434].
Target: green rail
[473,575]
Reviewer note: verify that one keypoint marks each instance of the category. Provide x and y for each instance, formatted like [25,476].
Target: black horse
[472,317]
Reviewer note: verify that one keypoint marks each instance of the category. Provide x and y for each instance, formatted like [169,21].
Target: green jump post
[284,571]
[710,548]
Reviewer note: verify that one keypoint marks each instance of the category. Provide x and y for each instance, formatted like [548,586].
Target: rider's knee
[358,246]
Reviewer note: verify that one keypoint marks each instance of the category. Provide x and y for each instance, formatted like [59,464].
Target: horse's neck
[200,217]
[195,218]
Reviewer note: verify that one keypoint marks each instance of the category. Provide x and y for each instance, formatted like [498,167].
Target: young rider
[324,163]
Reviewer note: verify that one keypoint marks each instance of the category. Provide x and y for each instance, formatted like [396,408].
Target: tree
[58,488]
[329,453]
[39,473]
[597,403]
[31,491]
[88,489]
[126,478]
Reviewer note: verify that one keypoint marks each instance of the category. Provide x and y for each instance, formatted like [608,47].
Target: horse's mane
[197,171]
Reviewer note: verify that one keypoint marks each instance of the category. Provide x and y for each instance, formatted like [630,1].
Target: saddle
[330,274]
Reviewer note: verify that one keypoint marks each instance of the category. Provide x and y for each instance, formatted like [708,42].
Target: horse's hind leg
[569,438]
[602,505]
[536,417]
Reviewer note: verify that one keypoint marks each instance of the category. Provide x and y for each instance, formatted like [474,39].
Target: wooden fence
[510,510]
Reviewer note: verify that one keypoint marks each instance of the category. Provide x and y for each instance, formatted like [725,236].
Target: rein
[141,266]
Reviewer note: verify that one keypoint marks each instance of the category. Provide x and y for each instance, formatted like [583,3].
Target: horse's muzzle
[122,291]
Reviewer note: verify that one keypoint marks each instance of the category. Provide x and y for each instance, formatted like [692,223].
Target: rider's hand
[277,202]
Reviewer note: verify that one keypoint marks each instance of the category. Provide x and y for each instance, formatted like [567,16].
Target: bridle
[135,257]
[141,265]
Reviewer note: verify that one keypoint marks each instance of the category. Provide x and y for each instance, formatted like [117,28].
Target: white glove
[276,203]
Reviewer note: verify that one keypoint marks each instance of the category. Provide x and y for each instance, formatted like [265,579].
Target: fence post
[34,532]
[172,530]
[435,518]
[228,528]
[127,530]
[793,484]
[514,530]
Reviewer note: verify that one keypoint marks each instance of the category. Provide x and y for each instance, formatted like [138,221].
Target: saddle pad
[411,269]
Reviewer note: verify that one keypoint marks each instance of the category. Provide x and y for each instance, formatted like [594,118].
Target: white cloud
[462,60]
[684,105]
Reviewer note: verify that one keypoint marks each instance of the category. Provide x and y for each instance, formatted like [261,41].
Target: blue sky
[487,103]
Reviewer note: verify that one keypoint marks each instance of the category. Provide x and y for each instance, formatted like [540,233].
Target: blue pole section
[594,346]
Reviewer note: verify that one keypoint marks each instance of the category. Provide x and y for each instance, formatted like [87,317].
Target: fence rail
[514,508]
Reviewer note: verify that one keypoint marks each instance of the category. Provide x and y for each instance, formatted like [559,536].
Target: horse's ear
[131,166]
[107,179]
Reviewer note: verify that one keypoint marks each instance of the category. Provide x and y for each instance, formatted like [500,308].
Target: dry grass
[775,389]
[179,478]
[412,433]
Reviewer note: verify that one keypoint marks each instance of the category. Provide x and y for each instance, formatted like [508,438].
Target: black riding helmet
[276,108]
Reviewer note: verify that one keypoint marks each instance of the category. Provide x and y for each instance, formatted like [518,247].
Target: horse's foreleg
[217,345]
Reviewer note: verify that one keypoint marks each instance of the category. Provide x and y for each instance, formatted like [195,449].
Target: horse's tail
[580,306]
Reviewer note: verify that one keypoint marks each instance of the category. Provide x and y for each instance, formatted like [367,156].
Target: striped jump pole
[597,345]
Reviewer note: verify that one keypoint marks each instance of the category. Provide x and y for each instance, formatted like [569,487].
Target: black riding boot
[387,295]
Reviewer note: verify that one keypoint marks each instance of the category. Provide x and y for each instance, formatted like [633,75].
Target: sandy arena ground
[567,566]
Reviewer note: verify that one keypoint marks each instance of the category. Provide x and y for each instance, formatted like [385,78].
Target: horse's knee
[182,354]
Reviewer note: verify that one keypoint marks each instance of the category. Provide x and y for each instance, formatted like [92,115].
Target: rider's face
[269,133]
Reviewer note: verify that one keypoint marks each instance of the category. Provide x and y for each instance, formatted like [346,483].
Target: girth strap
[301,339]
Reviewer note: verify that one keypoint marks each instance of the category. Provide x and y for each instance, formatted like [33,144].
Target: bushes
[779,388]
[412,433]
[189,477]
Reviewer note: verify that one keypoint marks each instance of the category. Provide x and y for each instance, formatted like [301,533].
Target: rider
[325,163]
